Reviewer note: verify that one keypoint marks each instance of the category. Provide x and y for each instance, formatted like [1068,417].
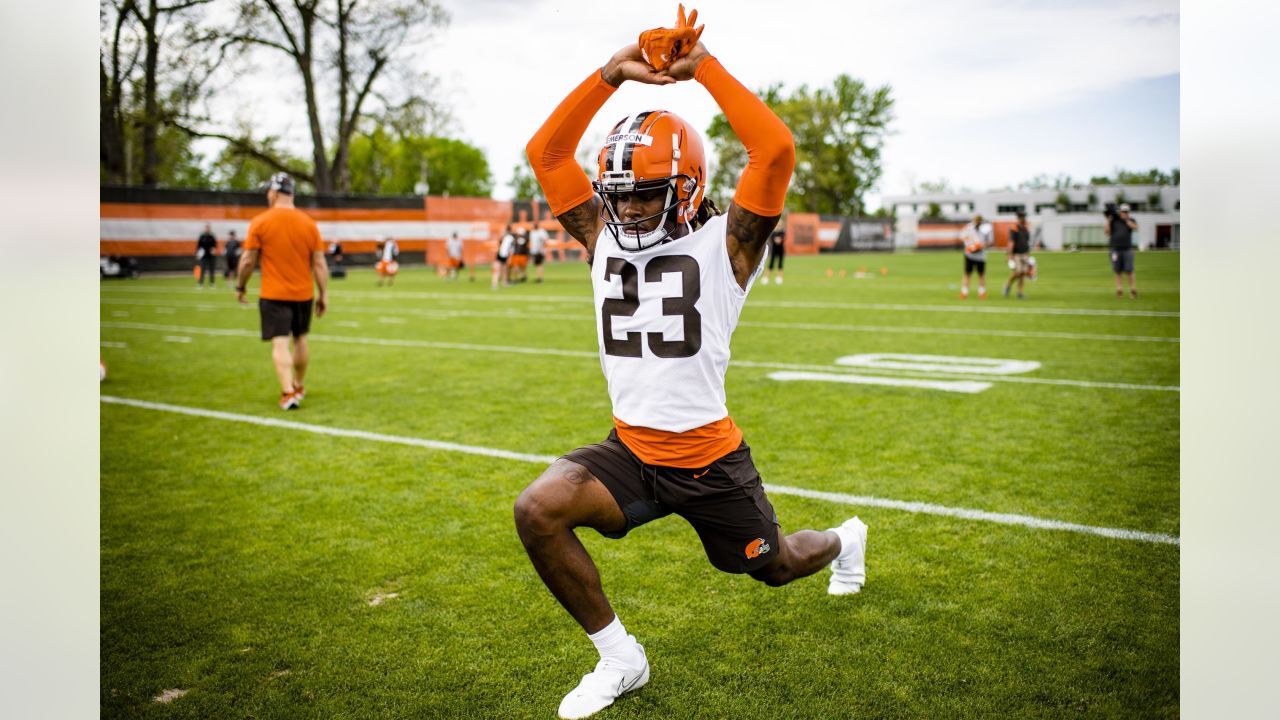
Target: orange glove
[663,46]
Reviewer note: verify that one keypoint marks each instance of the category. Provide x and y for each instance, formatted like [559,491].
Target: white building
[1156,208]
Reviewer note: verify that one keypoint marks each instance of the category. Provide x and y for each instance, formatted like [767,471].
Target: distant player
[1120,227]
[500,260]
[538,250]
[670,276]
[1019,254]
[231,256]
[977,238]
[453,248]
[292,253]
[519,262]
[206,256]
[387,267]
[777,254]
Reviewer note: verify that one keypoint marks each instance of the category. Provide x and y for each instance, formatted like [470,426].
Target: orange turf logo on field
[756,548]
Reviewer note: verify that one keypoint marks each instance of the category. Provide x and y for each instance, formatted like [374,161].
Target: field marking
[982,515]
[823,327]
[109,344]
[1027,521]
[176,338]
[1044,334]
[387,342]
[579,299]
[959,386]
[939,363]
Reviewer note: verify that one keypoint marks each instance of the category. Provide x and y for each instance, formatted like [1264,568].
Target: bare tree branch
[248,147]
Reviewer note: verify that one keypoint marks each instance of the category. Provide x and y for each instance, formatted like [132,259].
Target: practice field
[1016,461]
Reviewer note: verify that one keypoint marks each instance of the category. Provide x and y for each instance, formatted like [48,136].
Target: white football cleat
[849,569]
[600,687]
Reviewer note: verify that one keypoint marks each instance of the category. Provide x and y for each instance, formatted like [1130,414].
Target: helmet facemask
[630,234]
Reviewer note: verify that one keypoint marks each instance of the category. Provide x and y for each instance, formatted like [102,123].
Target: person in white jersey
[505,246]
[453,248]
[388,265]
[977,238]
[670,275]
[538,250]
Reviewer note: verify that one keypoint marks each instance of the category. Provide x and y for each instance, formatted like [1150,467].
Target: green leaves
[385,164]
[839,134]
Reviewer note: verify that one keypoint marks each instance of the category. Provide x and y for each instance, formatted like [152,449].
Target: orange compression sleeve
[551,149]
[762,189]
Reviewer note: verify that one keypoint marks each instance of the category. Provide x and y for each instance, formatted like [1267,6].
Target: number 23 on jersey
[681,305]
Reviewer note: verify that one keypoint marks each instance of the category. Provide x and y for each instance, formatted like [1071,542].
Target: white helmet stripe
[615,160]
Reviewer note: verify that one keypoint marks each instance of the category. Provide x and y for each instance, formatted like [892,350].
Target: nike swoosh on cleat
[623,688]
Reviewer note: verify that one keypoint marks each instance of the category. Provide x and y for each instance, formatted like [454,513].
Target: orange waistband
[696,448]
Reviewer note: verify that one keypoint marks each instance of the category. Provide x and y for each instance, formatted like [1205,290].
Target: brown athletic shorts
[725,502]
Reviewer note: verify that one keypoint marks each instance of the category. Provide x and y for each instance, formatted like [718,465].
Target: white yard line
[822,327]
[959,386]
[388,342]
[856,500]
[959,307]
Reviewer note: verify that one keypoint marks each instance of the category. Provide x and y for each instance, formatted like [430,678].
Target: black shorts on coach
[284,317]
[970,265]
[725,502]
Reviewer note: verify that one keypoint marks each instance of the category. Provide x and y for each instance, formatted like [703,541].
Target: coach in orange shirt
[292,253]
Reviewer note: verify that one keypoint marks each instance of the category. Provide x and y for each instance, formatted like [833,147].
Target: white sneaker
[779,281]
[849,569]
[600,687]
[764,279]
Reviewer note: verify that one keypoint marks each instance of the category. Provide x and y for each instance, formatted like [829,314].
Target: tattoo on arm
[748,235]
[583,223]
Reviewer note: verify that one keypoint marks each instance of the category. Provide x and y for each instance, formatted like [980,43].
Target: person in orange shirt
[670,275]
[288,243]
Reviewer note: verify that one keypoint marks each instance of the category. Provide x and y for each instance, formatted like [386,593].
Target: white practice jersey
[664,316]
[454,247]
[537,241]
[390,251]
[971,235]
[504,245]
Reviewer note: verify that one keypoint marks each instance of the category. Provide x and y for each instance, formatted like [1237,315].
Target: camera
[1109,210]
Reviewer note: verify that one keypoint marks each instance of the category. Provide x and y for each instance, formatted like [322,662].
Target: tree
[1154,176]
[839,133]
[348,46]
[151,71]
[1062,201]
[941,186]
[235,170]
[382,163]
[523,184]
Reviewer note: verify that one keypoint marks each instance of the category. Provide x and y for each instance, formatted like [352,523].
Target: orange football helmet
[645,152]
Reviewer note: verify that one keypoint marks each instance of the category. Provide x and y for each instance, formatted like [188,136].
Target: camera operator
[1120,229]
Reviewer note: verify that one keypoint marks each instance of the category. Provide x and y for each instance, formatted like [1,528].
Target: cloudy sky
[988,92]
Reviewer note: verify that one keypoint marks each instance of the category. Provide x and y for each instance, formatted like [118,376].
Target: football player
[977,238]
[387,266]
[670,275]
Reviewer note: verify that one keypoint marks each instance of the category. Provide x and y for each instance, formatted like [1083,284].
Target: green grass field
[271,572]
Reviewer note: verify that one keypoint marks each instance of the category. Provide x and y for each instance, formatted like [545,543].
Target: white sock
[613,642]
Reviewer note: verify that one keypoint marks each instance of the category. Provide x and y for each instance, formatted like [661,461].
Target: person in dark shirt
[777,254]
[1120,229]
[231,255]
[1019,254]
[207,256]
